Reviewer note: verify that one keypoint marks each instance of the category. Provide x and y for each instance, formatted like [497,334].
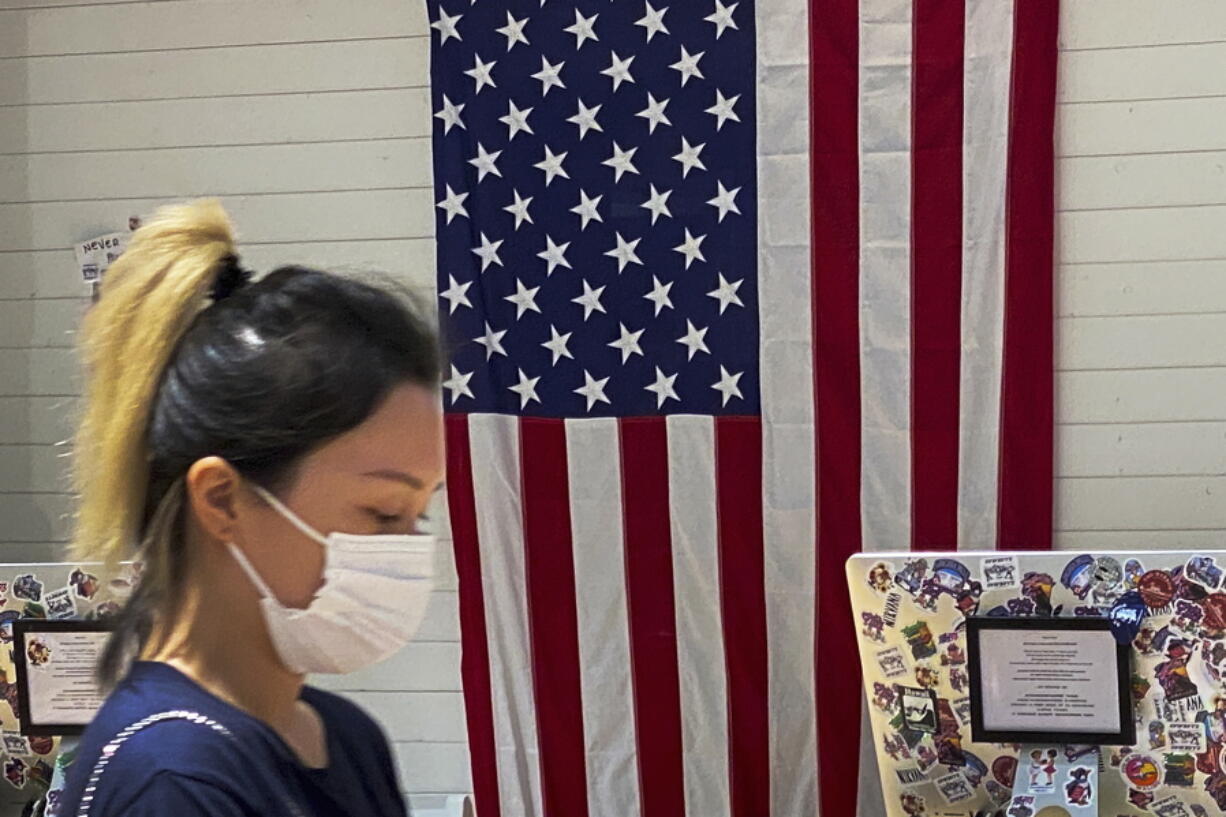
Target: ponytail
[149,297]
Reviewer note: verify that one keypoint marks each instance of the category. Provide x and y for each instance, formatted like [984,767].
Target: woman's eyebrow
[400,476]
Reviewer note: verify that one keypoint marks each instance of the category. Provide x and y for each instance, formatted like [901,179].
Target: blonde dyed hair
[149,297]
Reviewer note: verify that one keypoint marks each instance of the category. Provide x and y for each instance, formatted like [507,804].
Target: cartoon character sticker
[1157,735]
[874,626]
[1078,575]
[1105,583]
[880,577]
[883,696]
[1041,771]
[1172,674]
[896,747]
[28,588]
[912,804]
[926,676]
[1204,569]
[920,639]
[911,577]
[1022,805]
[15,772]
[1077,789]
[1141,772]
[1037,588]
[85,584]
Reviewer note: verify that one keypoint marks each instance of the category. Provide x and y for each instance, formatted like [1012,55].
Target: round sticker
[1003,769]
[1157,589]
[1215,611]
[1142,772]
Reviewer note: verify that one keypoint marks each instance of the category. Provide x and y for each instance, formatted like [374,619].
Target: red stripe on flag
[1024,520]
[553,623]
[475,657]
[834,38]
[742,574]
[936,271]
[647,532]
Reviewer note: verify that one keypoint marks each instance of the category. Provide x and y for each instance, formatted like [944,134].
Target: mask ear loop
[252,573]
[289,515]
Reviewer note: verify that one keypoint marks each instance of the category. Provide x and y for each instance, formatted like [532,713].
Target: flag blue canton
[595,180]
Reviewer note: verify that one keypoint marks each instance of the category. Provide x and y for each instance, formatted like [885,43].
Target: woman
[271,447]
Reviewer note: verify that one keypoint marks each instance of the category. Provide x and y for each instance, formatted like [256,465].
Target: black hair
[263,376]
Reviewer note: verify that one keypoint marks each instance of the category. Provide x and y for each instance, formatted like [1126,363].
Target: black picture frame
[23,628]
[1125,736]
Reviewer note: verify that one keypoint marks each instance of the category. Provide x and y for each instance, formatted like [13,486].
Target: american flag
[732,291]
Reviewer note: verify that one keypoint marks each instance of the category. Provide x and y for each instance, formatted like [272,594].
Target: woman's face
[377,478]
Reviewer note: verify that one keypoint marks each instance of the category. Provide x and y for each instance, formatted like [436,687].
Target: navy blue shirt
[190,770]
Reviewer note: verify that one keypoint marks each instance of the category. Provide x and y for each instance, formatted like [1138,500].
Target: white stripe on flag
[700,637]
[985,126]
[786,366]
[594,459]
[496,489]
[885,270]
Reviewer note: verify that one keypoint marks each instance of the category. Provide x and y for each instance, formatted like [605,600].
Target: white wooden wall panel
[310,118]
[1141,386]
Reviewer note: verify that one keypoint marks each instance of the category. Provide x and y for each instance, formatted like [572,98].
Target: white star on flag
[592,389]
[589,300]
[722,109]
[516,120]
[456,294]
[658,203]
[659,295]
[513,31]
[557,344]
[688,157]
[619,70]
[583,29]
[488,252]
[725,201]
[687,66]
[524,299]
[485,163]
[585,118]
[453,204]
[519,209]
[554,255]
[624,252]
[727,385]
[482,73]
[620,162]
[526,389]
[549,76]
[726,293]
[722,18]
[492,341]
[551,165]
[446,27]
[691,248]
[450,114]
[653,21]
[457,384]
[663,388]
[628,343]
[693,339]
[586,209]
[654,113]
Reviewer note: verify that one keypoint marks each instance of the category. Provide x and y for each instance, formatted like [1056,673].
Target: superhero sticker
[910,613]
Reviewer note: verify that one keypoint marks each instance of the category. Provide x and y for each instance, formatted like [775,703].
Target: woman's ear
[213,488]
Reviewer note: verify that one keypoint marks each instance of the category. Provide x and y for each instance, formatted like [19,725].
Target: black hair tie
[231,277]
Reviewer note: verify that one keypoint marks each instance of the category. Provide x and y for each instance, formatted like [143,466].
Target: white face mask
[372,600]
